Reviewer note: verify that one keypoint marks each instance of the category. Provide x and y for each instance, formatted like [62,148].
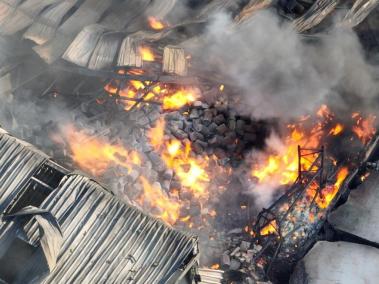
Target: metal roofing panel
[104,239]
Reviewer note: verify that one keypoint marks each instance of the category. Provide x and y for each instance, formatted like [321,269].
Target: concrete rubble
[342,262]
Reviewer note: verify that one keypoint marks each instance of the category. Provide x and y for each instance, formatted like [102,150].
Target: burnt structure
[285,232]
[58,226]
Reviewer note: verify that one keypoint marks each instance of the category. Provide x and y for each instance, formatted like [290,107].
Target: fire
[180,98]
[156,134]
[324,112]
[336,130]
[131,93]
[282,167]
[269,229]
[364,128]
[156,24]
[215,266]
[96,155]
[146,53]
[169,208]
[190,171]
[327,194]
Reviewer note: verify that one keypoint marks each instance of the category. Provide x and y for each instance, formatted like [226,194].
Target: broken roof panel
[104,239]
[59,27]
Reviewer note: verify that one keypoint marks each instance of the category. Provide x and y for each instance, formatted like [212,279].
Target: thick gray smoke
[284,74]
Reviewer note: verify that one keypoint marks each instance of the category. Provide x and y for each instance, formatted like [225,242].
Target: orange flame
[156,24]
[269,229]
[169,208]
[191,171]
[95,155]
[146,54]
[283,167]
[327,194]
[215,266]
[365,127]
[336,129]
[180,98]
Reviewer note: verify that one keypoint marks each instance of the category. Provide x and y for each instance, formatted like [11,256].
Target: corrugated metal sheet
[104,239]
[210,276]
[17,165]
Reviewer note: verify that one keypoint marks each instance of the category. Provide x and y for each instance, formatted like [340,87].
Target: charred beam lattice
[277,228]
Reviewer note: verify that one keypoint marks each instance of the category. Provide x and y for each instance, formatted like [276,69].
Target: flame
[96,155]
[282,167]
[336,129]
[131,92]
[364,128]
[215,266]
[327,194]
[324,112]
[156,24]
[156,134]
[146,53]
[269,229]
[190,171]
[180,98]
[169,208]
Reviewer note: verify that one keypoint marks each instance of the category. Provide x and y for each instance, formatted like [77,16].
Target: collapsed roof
[60,227]
[103,34]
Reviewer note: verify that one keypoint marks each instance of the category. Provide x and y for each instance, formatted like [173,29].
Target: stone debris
[216,130]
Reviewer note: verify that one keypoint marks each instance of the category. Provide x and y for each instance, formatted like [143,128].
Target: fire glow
[96,155]
[156,24]
[170,96]
[191,171]
[147,54]
[326,195]
[283,165]
[364,128]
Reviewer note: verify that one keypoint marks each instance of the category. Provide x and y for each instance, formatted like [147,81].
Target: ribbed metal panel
[17,165]
[105,240]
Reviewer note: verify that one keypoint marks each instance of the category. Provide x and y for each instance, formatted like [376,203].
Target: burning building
[59,226]
[200,113]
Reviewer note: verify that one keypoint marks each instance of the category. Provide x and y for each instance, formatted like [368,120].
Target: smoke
[283,74]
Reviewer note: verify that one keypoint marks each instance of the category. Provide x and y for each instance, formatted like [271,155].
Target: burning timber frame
[58,227]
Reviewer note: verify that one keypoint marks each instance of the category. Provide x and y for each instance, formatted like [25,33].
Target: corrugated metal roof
[104,239]
[17,165]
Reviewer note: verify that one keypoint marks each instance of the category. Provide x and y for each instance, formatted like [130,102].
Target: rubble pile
[217,130]
[240,259]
